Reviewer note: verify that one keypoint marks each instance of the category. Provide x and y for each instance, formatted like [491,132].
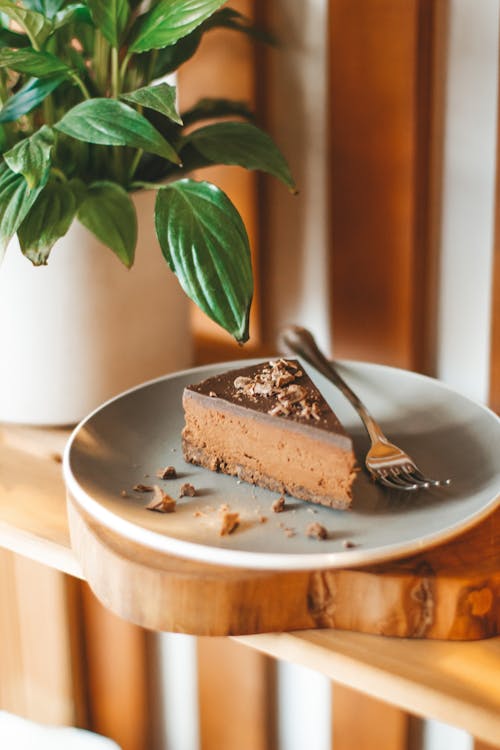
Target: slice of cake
[268,424]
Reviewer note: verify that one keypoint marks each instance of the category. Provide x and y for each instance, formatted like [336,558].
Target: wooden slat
[382,94]
[431,48]
[39,678]
[454,683]
[495,310]
[116,675]
[366,723]
[237,705]
[495,339]
[384,156]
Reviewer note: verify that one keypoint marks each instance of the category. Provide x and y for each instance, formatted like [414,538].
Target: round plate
[128,439]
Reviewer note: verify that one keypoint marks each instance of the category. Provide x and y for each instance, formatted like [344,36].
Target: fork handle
[300,341]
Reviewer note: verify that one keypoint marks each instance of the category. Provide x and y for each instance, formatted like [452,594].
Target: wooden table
[455,682]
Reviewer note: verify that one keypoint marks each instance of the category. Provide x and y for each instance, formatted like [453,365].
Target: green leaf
[74,13]
[170,20]
[208,108]
[13,39]
[29,97]
[229,18]
[49,219]
[242,144]
[111,17]
[49,8]
[161,98]
[31,157]
[204,241]
[108,212]
[16,200]
[35,24]
[171,57]
[111,123]
[38,64]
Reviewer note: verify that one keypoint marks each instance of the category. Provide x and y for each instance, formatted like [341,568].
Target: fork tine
[411,476]
[435,482]
[396,474]
[388,482]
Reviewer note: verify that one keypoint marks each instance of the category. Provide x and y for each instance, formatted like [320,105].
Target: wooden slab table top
[453,681]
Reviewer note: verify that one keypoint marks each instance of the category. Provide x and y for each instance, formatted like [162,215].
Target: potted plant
[88,126]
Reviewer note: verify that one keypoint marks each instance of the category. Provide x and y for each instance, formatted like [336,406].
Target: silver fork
[386,463]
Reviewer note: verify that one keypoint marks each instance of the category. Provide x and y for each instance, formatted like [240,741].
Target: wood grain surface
[450,592]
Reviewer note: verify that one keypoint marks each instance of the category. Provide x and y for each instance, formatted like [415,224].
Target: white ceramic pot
[83,328]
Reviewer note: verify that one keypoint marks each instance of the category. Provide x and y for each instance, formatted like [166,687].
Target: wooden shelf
[454,682]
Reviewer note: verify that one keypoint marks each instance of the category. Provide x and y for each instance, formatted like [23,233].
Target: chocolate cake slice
[269,425]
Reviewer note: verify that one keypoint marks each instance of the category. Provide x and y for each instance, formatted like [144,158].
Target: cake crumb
[316,531]
[289,532]
[278,505]
[56,457]
[212,394]
[262,519]
[142,488]
[124,493]
[348,544]
[199,514]
[161,502]
[168,472]
[229,523]
[187,490]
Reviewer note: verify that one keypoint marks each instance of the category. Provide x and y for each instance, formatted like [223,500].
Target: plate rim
[252,560]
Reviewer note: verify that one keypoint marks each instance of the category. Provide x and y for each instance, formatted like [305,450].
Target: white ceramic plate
[127,440]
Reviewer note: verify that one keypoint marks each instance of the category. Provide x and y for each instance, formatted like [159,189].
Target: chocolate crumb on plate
[142,487]
[168,472]
[57,457]
[278,505]
[229,523]
[316,531]
[161,502]
[187,490]
[348,544]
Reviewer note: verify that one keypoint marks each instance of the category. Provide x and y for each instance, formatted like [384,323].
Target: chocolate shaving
[347,544]
[229,523]
[168,472]
[161,502]
[316,531]
[278,505]
[142,488]
[187,490]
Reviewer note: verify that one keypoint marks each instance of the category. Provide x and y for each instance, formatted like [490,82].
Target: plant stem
[135,162]
[151,66]
[48,110]
[124,66]
[76,78]
[146,185]
[115,73]
[58,173]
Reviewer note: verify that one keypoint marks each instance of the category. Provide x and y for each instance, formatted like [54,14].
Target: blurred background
[387,112]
